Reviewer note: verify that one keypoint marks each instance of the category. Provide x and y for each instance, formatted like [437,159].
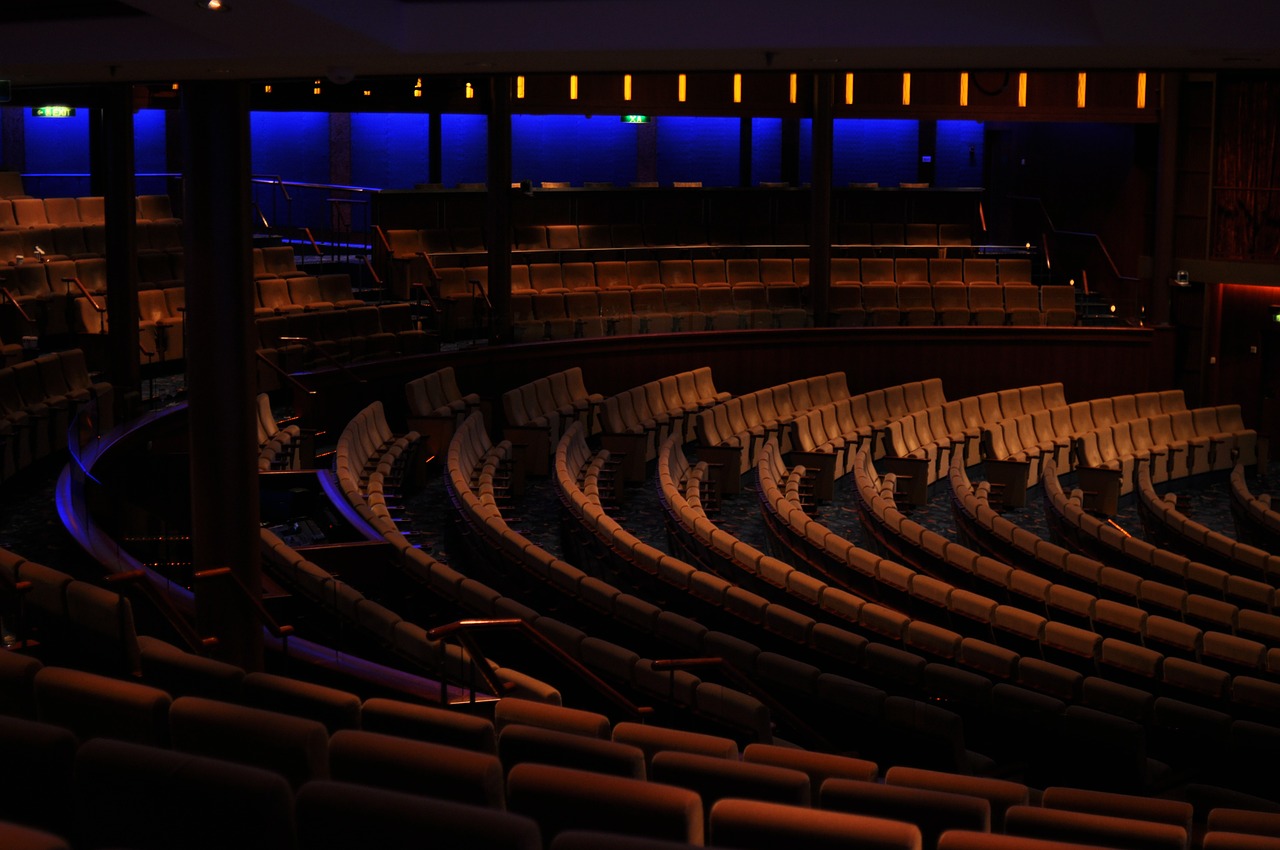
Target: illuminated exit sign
[53,111]
[635,119]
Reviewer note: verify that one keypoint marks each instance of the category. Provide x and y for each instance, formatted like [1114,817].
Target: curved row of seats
[303,292]
[277,447]
[552,402]
[591,313]
[1256,522]
[493,540]
[658,408]
[1181,590]
[744,422]
[950,303]
[1066,628]
[38,400]
[1170,528]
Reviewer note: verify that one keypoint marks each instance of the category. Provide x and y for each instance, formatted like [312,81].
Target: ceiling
[76,41]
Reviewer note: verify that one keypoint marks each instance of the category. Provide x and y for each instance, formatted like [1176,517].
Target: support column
[820,195]
[790,152]
[647,151]
[116,167]
[499,211]
[1162,259]
[13,139]
[221,377]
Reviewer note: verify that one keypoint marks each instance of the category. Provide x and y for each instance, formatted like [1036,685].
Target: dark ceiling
[68,41]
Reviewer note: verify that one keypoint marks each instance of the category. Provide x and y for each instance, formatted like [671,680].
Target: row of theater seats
[1170,528]
[586,314]
[493,542]
[298,341]
[1168,597]
[304,293]
[1178,606]
[658,408]
[74,227]
[277,447]
[405,244]
[1249,583]
[1173,441]
[39,399]
[1257,523]
[549,404]
[437,395]
[950,303]
[747,421]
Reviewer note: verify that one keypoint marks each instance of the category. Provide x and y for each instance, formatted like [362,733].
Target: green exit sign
[53,111]
[635,119]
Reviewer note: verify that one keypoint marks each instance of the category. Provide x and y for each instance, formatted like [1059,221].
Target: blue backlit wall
[766,150]
[958,159]
[573,148]
[464,149]
[389,151]
[703,149]
[883,151]
[293,146]
[149,151]
[57,146]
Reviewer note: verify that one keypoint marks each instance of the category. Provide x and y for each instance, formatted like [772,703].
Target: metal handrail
[277,630]
[21,312]
[287,376]
[465,630]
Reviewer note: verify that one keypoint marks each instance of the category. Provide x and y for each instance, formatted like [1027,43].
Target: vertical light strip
[470,91]
[573,87]
[848,89]
[737,88]
[906,89]
[1022,89]
[626,87]
[793,88]
[964,88]
[520,88]
[1142,89]
[1082,83]
[682,89]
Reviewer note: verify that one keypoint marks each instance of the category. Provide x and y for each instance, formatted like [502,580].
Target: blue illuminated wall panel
[389,151]
[703,149]
[880,151]
[464,149]
[766,150]
[149,155]
[954,165]
[57,146]
[573,148]
[293,146]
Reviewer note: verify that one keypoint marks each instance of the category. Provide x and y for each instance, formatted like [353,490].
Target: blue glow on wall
[766,150]
[149,154]
[806,151]
[293,146]
[57,146]
[389,150]
[883,151]
[464,148]
[952,166]
[573,148]
[703,149]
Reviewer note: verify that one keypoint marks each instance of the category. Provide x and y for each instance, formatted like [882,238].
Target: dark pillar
[343,217]
[1162,259]
[647,152]
[820,195]
[435,149]
[744,152]
[120,204]
[927,144]
[221,378]
[499,212]
[791,150]
[13,138]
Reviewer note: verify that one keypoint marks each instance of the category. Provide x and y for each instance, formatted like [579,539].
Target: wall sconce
[848,89]
[266,89]
[417,88]
[1022,89]
[793,85]
[1082,82]
[626,87]
[315,88]
[682,88]
[469,91]
[906,89]
[520,88]
[1142,89]
[573,87]
[737,88]
[964,88]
